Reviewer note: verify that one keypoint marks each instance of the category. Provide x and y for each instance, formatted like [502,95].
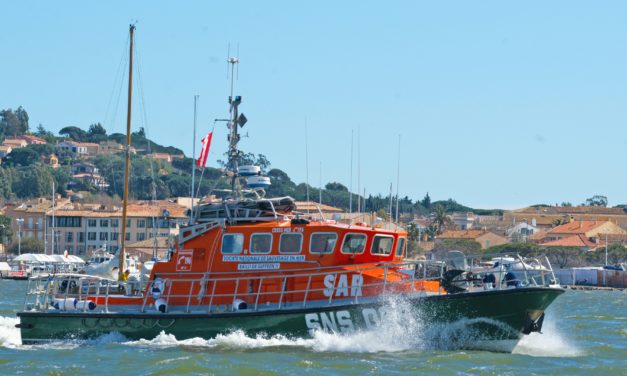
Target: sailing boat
[256,264]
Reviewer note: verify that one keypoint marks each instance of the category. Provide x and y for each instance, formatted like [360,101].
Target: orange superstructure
[278,263]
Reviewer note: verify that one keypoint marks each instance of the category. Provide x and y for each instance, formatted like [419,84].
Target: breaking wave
[9,334]
[10,338]
[550,343]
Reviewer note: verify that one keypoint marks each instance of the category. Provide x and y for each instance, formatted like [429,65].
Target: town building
[589,229]
[145,250]
[52,160]
[314,208]
[72,149]
[486,238]
[5,150]
[546,217]
[32,215]
[15,143]
[80,230]
[166,157]
[463,221]
[91,148]
[32,140]
[521,232]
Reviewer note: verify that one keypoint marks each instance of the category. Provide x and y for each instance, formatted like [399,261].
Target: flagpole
[206,144]
[191,214]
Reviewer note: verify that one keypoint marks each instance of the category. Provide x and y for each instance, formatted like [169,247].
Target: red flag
[204,152]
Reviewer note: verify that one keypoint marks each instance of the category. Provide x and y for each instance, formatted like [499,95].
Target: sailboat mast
[53,225]
[191,214]
[127,165]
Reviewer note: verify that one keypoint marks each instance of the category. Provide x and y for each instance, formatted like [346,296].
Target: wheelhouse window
[261,243]
[400,247]
[382,245]
[354,243]
[232,243]
[322,242]
[290,243]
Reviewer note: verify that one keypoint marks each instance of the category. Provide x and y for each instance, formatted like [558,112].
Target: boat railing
[67,291]
[230,287]
[273,289]
[510,272]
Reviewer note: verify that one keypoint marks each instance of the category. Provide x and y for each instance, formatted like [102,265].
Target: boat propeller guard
[533,322]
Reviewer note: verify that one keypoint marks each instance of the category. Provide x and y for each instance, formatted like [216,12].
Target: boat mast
[191,214]
[233,135]
[53,225]
[127,165]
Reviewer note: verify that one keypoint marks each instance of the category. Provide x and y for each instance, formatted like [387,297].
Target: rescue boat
[255,264]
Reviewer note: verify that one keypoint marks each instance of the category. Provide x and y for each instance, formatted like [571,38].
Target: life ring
[100,321]
[158,323]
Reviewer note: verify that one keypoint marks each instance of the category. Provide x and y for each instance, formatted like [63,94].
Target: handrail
[392,275]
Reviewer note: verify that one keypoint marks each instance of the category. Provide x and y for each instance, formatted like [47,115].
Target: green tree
[11,124]
[282,185]
[74,133]
[244,159]
[27,245]
[22,157]
[178,185]
[6,233]
[441,219]
[426,202]
[32,181]
[6,180]
[565,257]
[512,249]
[597,200]
[469,247]
[62,178]
[22,117]
[96,133]
[46,135]
[336,187]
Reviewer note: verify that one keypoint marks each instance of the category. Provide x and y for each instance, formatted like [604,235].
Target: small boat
[29,265]
[105,264]
[252,263]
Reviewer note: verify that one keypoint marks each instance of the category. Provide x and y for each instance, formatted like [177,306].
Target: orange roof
[147,210]
[538,235]
[570,210]
[29,137]
[141,209]
[14,142]
[579,240]
[461,234]
[576,227]
[313,207]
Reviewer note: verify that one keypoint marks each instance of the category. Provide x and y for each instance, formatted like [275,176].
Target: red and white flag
[204,152]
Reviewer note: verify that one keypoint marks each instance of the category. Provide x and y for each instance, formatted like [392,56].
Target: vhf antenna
[234,121]
[233,61]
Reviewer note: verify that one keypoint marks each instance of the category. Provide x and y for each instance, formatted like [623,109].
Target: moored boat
[252,263]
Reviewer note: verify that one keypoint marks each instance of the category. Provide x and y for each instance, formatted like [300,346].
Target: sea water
[585,333]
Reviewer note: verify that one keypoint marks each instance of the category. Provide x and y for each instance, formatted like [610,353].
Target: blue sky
[498,104]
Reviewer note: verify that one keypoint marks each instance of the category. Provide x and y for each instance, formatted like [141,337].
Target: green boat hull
[498,315]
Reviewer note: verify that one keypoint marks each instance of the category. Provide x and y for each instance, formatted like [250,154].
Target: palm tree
[440,219]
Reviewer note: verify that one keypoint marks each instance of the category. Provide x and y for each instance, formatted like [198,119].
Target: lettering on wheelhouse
[263,258]
[343,321]
[262,266]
